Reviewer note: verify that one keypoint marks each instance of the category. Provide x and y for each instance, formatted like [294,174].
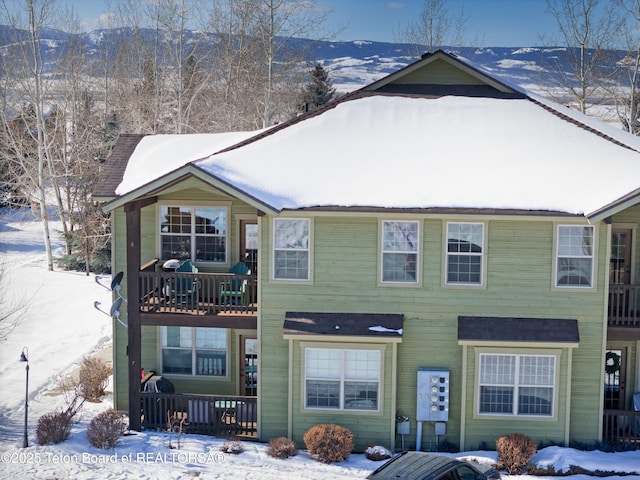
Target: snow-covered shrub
[377,453]
[515,451]
[105,429]
[232,446]
[53,427]
[282,447]
[94,378]
[329,442]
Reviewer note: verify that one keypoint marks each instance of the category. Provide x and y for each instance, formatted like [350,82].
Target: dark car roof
[410,465]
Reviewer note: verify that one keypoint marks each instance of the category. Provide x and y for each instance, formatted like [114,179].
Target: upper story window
[291,249]
[465,248]
[520,385]
[342,379]
[400,248]
[196,233]
[574,261]
[194,351]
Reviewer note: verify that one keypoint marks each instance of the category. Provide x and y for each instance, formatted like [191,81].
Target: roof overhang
[539,332]
[178,175]
[627,201]
[385,327]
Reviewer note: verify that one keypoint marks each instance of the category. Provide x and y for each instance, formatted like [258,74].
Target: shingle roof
[509,329]
[344,324]
[115,165]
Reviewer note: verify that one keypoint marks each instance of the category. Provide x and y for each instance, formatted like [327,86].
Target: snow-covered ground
[62,326]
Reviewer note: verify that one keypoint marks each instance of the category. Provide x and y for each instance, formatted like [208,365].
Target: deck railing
[621,427]
[217,415]
[197,293]
[624,305]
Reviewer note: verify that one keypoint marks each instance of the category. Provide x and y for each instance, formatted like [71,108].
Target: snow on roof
[157,155]
[465,152]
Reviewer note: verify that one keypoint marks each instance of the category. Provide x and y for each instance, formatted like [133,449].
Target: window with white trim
[574,256]
[465,247]
[517,385]
[196,351]
[400,248]
[291,249]
[195,233]
[342,379]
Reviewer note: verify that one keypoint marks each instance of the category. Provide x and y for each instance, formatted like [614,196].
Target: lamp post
[24,357]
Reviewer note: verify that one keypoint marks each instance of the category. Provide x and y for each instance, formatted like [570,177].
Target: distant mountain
[351,64]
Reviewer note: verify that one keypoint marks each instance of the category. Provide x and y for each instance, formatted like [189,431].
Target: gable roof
[438,134]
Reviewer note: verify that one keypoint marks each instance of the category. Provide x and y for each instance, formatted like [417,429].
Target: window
[291,249]
[196,233]
[516,384]
[342,379]
[400,242]
[574,262]
[194,351]
[465,246]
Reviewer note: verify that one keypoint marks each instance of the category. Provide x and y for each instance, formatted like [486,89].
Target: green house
[439,246]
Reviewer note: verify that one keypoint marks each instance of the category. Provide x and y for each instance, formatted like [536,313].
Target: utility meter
[433,395]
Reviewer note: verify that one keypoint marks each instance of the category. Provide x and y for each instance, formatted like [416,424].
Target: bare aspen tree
[28,82]
[587,30]
[628,100]
[435,28]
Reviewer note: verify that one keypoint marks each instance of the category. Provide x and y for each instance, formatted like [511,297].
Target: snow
[158,155]
[62,326]
[398,152]
[446,152]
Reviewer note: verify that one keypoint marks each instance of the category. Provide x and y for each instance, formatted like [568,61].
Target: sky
[491,23]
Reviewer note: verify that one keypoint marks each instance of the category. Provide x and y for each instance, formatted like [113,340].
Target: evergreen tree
[318,91]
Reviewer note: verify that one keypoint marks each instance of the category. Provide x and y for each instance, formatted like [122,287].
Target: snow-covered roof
[399,152]
[157,155]
[415,151]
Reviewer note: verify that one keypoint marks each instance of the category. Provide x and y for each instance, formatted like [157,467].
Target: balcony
[197,294]
[624,306]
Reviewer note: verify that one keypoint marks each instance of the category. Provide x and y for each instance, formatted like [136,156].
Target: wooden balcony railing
[624,305]
[621,427]
[197,293]
[223,416]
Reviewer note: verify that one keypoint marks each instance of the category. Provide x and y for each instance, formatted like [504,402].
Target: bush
[329,442]
[105,429]
[232,446]
[53,427]
[282,447]
[377,453]
[515,451]
[94,378]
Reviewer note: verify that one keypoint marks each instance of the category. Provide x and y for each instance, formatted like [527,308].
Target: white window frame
[480,255]
[573,255]
[390,251]
[518,384]
[193,234]
[276,248]
[201,367]
[342,377]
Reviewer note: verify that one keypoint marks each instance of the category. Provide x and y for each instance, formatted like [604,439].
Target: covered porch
[621,427]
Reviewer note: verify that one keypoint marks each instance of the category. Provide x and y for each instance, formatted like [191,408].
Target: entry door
[249,244]
[614,379]
[620,261]
[248,366]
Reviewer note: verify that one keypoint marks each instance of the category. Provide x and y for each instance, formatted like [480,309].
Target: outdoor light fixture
[24,357]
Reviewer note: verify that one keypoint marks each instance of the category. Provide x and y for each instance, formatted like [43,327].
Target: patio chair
[233,291]
[185,289]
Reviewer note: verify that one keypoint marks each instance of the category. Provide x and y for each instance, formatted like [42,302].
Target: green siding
[439,72]
[519,260]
